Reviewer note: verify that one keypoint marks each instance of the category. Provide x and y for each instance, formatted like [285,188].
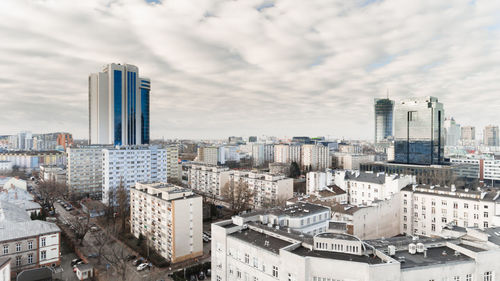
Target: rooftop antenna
[387,93]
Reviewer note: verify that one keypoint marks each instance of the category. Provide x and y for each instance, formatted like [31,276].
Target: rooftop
[436,255]
[261,240]
[17,230]
[377,178]
[299,209]
[340,236]
[305,252]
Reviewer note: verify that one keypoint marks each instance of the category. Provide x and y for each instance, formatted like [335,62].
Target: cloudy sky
[250,67]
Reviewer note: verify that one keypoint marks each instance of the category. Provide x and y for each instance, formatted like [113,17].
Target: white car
[142,266]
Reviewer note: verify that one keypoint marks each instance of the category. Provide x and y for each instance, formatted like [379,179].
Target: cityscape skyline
[211,81]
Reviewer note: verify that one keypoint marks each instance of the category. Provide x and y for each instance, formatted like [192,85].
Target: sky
[252,67]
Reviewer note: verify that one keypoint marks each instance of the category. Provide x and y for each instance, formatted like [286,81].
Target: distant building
[5,166]
[206,178]
[424,174]
[119,106]
[170,217]
[31,160]
[173,165]
[490,135]
[208,154]
[287,153]
[452,132]
[262,154]
[84,171]
[384,109]
[348,161]
[468,135]
[315,157]
[53,173]
[252,139]
[418,131]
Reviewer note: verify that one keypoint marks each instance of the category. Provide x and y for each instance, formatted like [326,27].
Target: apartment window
[255,262]
[468,277]
[412,116]
[456,278]
[30,245]
[247,258]
[30,258]
[44,243]
[485,224]
[238,273]
[43,255]
[275,271]
[5,249]
[488,276]
[485,214]
[466,206]
[290,277]
[18,247]
[219,278]
[18,261]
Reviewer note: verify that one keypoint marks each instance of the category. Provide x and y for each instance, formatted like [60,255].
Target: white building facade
[84,171]
[208,179]
[315,157]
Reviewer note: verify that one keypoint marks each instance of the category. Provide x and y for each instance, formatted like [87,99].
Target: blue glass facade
[131,106]
[118,106]
[144,114]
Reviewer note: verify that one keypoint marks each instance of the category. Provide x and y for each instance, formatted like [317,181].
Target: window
[456,278]
[485,224]
[219,278]
[485,214]
[412,115]
[247,258]
[44,242]
[468,277]
[18,261]
[18,247]
[255,262]
[488,276]
[43,255]
[275,271]
[30,258]
[5,249]
[30,245]
[290,277]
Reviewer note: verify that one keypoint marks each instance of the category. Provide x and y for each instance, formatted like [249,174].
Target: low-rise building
[170,217]
[28,243]
[5,166]
[53,173]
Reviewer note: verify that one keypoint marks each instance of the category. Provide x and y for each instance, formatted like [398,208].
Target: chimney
[453,188]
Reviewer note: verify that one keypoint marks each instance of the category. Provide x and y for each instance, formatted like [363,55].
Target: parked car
[130,257]
[94,228]
[74,261]
[142,266]
[209,272]
[93,255]
[201,276]
[138,261]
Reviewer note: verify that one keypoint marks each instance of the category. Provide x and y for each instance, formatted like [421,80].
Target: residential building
[5,269]
[468,135]
[170,217]
[418,131]
[315,157]
[127,165]
[287,153]
[250,250]
[262,153]
[119,106]
[365,188]
[5,166]
[173,165]
[452,132]
[84,171]
[52,141]
[31,160]
[349,161]
[268,189]
[279,168]
[384,109]
[350,148]
[483,167]
[208,154]
[317,181]
[53,173]
[427,209]
[206,178]
[490,136]
[28,243]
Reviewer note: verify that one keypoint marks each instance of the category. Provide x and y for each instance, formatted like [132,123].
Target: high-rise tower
[384,109]
[418,131]
[119,106]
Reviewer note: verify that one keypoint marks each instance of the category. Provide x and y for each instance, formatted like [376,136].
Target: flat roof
[337,236]
[261,240]
[305,252]
[436,255]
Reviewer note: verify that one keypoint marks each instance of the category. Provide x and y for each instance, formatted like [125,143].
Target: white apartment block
[84,171]
[427,209]
[5,166]
[348,161]
[284,153]
[170,217]
[130,164]
[364,188]
[315,157]
[481,167]
[209,155]
[228,154]
[28,243]
[173,166]
[268,189]
[262,153]
[250,250]
[317,181]
[208,179]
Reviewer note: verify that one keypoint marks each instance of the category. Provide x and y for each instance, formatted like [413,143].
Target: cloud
[255,67]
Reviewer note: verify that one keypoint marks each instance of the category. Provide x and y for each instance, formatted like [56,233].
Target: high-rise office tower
[119,106]
[384,109]
[418,131]
[468,134]
[490,136]
[451,131]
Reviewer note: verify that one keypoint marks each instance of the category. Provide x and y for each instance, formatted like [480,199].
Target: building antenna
[387,93]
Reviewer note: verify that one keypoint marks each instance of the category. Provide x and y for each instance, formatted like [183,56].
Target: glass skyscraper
[119,106]
[418,131]
[384,109]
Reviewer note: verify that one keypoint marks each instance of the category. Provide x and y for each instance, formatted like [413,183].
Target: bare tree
[112,253]
[82,227]
[122,203]
[271,203]
[50,190]
[238,195]
[103,238]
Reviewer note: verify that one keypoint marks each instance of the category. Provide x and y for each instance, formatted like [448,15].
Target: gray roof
[36,274]
[18,230]
[10,212]
[261,240]
[493,234]
[3,262]
[26,205]
[377,178]
[299,209]
[305,252]
[436,255]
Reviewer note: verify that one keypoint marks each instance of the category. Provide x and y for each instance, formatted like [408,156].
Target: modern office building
[128,165]
[490,136]
[119,106]
[170,217]
[384,109]
[468,135]
[452,132]
[425,174]
[418,131]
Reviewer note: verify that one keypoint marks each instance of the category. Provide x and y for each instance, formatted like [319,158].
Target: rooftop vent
[266,243]
[444,253]
[412,248]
